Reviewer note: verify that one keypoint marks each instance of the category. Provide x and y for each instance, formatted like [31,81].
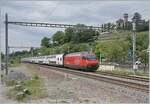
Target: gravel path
[65,88]
[69,88]
[3,98]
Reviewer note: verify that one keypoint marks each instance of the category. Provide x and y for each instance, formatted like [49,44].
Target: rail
[132,77]
[131,83]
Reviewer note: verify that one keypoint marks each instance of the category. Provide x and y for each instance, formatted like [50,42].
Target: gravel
[17,76]
[75,89]
[65,88]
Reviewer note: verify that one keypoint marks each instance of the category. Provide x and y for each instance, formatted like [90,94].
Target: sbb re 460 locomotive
[79,60]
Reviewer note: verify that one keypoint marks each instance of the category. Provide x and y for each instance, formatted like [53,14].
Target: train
[79,60]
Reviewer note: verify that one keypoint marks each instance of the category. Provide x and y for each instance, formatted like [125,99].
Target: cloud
[69,12]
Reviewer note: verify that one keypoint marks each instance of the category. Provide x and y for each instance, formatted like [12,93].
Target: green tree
[58,37]
[137,17]
[143,27]
[79,34]
[2,56]
[116,50]
[143,55]
[69,32]
[70,47]
[45,42]
[142,41]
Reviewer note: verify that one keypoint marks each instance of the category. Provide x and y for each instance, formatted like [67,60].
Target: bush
[23,90]
[10,82]
[36,77]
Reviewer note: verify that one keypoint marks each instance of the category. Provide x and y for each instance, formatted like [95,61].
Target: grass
[34,90]
[36,87]
[33,69]
[14,62]
[123,71]
[14,65]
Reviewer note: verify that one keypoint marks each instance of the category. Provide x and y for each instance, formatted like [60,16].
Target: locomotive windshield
[91,58]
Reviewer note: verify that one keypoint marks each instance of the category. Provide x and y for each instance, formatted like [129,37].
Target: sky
[92,13]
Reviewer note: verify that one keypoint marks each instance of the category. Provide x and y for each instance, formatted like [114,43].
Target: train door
[59,59]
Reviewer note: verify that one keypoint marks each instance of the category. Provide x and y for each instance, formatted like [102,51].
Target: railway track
[125,76]
[135,83]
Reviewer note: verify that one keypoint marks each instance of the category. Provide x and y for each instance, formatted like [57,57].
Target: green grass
[14,62]
[123,71]
[34,86]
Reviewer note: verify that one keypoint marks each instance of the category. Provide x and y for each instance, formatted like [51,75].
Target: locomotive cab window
[91,58]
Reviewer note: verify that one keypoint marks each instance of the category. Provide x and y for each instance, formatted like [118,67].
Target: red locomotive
[81,60]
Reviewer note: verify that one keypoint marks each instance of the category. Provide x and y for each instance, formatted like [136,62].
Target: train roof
[79,54]
[43,56]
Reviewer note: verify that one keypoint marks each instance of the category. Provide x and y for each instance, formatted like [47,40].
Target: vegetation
[142,41]
[76,34]
[36,87]
[29,89]
[122,71]
[2,56]
[107,27]
[58,37]
[15,57]
[141,24]
[45,42]
[80,38]
[115,50]
[14,62]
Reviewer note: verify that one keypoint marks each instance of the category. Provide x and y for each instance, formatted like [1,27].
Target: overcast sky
[92,13]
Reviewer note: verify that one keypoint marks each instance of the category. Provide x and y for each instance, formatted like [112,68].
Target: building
[124,23]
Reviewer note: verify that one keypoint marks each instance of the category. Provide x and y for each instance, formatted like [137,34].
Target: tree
[58,37]
[45,42]
[143,27]
[69,32]
[143,55]
[137,17]
[116,50]
[79,34]
[70,47]
[2,56]
[142,41]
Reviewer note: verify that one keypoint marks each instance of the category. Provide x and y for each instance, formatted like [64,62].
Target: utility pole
[134,42]
[0,42]
[6,43]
